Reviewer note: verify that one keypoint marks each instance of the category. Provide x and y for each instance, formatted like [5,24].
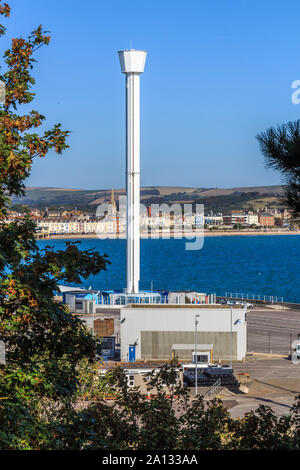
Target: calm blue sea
[267,265]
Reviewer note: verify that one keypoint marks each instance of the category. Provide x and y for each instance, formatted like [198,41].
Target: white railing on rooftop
[248,296]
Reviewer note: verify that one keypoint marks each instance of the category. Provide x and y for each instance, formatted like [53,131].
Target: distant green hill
[216,199]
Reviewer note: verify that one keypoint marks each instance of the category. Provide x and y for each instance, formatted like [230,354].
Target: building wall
[267,220]
[251,219]
[104,314]
[155,328]
[139,379]
[158,344]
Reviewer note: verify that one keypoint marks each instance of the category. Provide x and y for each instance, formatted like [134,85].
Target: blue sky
[216,74]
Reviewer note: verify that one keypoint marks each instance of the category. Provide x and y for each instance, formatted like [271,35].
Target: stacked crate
[104,327]
[209,376]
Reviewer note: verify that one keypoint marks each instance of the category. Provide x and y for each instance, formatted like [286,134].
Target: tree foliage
[169,421]
[281,149]
[44,342]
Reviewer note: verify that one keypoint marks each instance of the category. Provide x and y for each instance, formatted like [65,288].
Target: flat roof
[192,346]
[199,306]
[138,365]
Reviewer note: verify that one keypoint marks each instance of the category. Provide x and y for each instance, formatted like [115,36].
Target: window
[203,358]
[130,380]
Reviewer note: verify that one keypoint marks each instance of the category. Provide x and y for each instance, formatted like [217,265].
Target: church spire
[112,199]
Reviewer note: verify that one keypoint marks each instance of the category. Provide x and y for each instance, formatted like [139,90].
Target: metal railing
[213,389]
[248,296]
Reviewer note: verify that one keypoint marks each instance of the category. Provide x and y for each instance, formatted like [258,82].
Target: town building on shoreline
[155,223]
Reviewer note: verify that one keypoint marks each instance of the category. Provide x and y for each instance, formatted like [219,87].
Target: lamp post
[196,355]
[231,336]
[93,321]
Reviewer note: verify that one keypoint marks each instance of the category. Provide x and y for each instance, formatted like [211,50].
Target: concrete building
[241,218]
[190,297]
[149,332]
[237,217]
[137,376]
[251,218]
[153,330]
[214,220]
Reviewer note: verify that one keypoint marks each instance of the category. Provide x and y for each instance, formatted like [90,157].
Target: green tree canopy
[44,342]
[281,149]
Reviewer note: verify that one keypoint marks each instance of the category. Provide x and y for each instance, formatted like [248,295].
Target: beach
[207,233]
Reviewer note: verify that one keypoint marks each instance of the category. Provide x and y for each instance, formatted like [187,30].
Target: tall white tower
[132,64]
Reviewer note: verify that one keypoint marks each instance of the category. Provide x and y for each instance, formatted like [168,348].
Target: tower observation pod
[132,65]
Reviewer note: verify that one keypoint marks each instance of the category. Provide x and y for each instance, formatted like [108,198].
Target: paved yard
[272,382]
[272,331]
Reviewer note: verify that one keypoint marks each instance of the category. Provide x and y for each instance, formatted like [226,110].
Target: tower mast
[132,65]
